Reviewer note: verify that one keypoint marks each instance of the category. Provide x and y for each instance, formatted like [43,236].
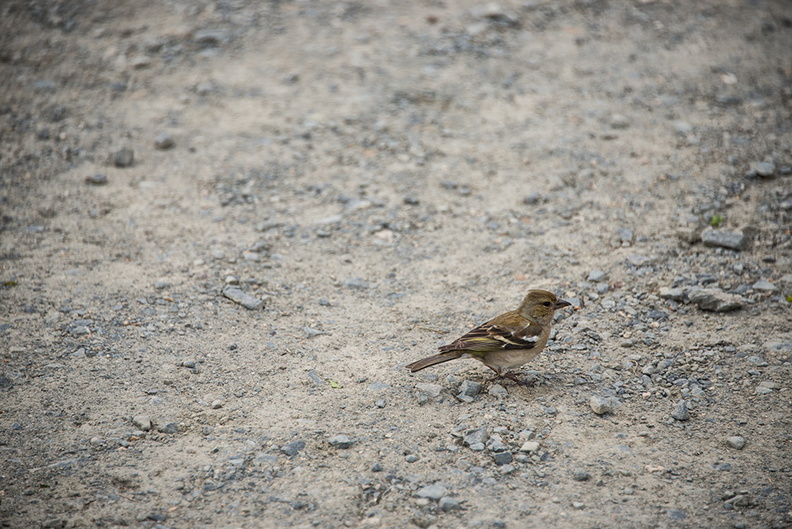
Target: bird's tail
[432,360]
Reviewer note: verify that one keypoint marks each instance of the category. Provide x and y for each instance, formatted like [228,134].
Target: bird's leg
[513,377]
[510,375]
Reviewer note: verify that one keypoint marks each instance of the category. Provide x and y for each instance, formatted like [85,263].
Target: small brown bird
[507,341]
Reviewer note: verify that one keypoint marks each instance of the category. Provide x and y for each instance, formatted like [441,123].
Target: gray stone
[211,37]
[758,361]
[672,293]
[310,332]
[763,285]
[98,179]
[496,390]
[431,390]
[638,260]
[715,300]
[601,405]
[341,441]
[529,446]
[167,426]
[477,436]
[469,388]
[143,422]
[581,475]
[680,411]
[265,459]
[618,121]
[733,240]
[664,364]
[242,298]
[595,276]
[447,504]
[764,169]
[503,458]
[355,283]
[683,128]
[432,492]
[315,378]
[124,158]
[625,235]
[768,385]
[737,442]
[217,404]
[293,448]
[164,141]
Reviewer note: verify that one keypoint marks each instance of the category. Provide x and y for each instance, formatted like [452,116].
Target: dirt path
[228,226]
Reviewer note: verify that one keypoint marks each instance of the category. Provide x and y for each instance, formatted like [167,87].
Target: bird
[507,341]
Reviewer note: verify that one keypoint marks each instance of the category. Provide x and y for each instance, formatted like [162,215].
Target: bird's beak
[561,303]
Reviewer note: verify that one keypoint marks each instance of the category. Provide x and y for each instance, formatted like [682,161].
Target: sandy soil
[378,177]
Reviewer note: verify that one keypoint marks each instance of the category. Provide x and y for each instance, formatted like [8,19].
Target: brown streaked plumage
[506,341]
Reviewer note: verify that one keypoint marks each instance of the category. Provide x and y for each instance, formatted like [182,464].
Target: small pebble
[98,179]
[217,404]
[432,492]
[447,504]
[293,448]
[680,411]
[581,475]
[625,235]
[142,422]
[715,300]
[341,441]
[737,442]
[477,436]
[601,405]
[431,390]
[355,283]
[246,300]
[529,446]
[758,361]
[123,158]
[595,276]
[618,121]
[733,240]
[164,141]
[674,294]
[169,427]
[764,169]
[503,458]
[469,388]
[763,285]
[496,390]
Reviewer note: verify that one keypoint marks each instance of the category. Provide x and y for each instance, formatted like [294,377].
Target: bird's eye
[546,303]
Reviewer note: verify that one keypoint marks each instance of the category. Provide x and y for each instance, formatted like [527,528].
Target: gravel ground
[228,226]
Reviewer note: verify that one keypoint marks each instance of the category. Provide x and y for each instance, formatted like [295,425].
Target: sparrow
[506,341]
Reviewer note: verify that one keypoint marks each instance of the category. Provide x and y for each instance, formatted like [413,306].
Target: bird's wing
[509,331]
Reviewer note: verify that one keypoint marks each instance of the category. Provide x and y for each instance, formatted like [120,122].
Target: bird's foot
[514,378]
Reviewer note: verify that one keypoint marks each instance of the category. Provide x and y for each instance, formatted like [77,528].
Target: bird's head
[540,305]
